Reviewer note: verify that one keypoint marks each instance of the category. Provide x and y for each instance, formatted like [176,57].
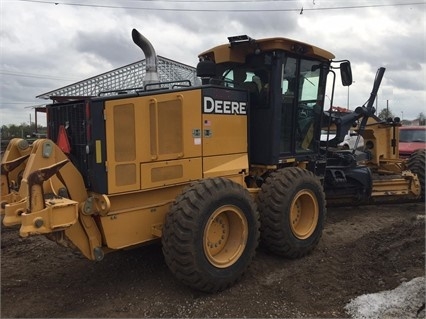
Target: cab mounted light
[239,39]
[299,49]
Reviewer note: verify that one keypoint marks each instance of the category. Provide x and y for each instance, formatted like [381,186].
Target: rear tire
[211,234]
[292,210]
[416,164]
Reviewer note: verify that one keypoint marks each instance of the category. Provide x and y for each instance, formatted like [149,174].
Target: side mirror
[346,73]
[206,69]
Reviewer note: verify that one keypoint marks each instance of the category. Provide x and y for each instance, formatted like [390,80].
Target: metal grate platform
[129,76]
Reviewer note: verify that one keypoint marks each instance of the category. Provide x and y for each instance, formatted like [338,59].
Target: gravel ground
[366,253]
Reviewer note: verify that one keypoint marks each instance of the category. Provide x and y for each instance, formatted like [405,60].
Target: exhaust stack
[151,75]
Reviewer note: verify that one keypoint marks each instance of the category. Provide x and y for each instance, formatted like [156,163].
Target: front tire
[292,210]
[211,234]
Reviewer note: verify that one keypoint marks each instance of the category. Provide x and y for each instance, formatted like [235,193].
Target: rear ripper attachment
[51,199]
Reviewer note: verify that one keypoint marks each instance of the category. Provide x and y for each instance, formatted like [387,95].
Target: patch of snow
[405,301]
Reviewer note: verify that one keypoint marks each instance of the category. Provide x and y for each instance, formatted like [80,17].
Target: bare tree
[422,119]
[385,113]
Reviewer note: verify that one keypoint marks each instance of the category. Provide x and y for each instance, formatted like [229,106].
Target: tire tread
[276,194]
[182,225]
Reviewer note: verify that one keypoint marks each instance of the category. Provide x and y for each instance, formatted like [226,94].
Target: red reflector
[63,141]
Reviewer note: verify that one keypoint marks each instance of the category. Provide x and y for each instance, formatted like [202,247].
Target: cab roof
[238,50]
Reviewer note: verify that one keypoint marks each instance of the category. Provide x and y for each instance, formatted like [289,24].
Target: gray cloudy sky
[49,44]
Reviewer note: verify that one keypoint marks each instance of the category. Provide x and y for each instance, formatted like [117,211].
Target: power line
[17,103]
[37,76]
[231,1]
[223,10]
[215,1]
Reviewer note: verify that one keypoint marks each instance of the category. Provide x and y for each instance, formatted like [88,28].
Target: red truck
[411,138]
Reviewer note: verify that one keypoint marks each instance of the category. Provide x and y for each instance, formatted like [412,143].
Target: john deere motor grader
[205,169]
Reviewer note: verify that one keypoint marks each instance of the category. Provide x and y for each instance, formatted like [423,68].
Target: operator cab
[286,81]
[286,102]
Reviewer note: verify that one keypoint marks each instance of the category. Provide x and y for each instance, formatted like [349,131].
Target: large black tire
[292,210]
[416,164]
[211,234]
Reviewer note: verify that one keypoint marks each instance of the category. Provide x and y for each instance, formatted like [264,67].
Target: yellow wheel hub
[225,236]
[304,212]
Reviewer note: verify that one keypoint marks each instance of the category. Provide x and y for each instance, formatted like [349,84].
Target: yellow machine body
[155,146]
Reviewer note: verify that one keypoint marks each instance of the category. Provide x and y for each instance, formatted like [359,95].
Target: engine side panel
[160,128]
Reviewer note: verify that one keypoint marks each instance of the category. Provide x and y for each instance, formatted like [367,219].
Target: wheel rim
[225,236]
[304,212]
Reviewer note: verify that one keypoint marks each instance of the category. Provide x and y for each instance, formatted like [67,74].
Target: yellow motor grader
[208,170]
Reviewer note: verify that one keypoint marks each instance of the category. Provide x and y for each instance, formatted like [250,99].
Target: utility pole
[348,98]
[348,95]
[377,104]
[387,108]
